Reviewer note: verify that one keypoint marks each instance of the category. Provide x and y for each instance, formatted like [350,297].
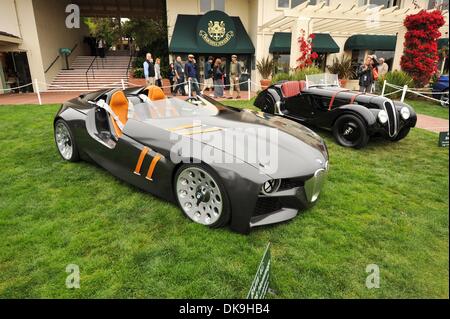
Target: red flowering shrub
[306,55]
[420,55]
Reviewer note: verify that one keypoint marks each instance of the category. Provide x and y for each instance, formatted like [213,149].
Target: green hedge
[298,75]
[398,78]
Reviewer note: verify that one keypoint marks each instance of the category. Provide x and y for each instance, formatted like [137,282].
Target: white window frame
[389,5]
[212,6]
[327,3]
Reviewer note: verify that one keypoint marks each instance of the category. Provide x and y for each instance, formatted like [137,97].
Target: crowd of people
[369,72]
[181,73]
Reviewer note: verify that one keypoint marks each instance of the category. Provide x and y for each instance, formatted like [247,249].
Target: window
[281,62]
[208,5]
[205,5]
[377,3]
[285,4]
[219,5]
[440,4]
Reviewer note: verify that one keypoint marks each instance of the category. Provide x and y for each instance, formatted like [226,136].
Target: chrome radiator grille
[392,121]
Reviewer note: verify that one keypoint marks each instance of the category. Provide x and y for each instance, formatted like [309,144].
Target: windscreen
[324,79]
[173,108]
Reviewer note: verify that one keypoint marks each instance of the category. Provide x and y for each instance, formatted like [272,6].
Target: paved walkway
[430,123]
[426,122]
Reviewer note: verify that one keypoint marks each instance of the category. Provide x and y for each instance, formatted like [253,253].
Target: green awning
[443,42]
[322,43]
[371,42]
[212,33]
[281,43]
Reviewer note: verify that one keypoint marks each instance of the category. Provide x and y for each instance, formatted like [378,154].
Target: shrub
[399,78]
[280,77]
[420,55]
[300,74]
[265,67]
[344,68]
[138,73]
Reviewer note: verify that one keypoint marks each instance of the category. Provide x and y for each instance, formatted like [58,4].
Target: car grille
[393,121]
[267,205]
[289,183]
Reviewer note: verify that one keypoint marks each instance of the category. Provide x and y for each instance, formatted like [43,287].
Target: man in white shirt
[383,68]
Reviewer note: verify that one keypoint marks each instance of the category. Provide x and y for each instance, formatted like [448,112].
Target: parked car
[134,134]
[441,90]
[353,117]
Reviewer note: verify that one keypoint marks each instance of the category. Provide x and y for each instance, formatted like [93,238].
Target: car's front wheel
[350,131]
[65,142]
[201,195]
[402,134]
[444,99]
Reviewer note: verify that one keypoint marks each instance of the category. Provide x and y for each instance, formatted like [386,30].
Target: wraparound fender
[364,113]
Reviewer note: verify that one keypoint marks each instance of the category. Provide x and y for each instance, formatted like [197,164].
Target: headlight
[383,117]
[405,113]
[271,186]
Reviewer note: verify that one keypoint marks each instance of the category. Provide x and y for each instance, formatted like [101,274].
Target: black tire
[74,156]
[225,213]
[402,134]
[268,104]
[444,100]
[350,131]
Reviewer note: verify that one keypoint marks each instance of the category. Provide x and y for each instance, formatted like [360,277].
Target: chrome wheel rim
[199,196]
[444,100]
[63,141]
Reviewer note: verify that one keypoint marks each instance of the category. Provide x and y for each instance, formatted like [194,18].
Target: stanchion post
[36,86]
[249,88]
[123,84]
[405,88]
[384,87]
[189,88]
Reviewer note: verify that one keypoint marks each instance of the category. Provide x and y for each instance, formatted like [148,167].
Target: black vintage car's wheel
[402,134]
[268,104]
[350,131]
[444,99]
[201,195]
[65,142]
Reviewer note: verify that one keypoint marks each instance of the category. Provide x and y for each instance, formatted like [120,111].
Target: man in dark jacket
[149,70]
[365,75]
[179,75]
[209,74]
[192,75]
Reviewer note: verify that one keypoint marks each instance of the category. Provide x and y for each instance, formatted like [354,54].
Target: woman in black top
[218,78]
[365,75]
[171,75]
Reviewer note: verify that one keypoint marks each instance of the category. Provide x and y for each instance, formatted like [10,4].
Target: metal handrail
[129,65]
[56,59]
[93,73]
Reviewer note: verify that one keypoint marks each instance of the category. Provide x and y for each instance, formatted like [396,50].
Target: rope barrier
[15,88]
[405,89]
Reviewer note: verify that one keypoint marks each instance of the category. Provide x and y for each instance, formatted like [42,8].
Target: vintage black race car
[141,137]
[353,117]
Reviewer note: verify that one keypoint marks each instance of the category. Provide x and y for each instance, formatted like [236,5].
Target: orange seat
[290,89]
[155,93]
[119,105]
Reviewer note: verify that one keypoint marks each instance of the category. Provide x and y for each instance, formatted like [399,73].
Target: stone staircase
[106,72]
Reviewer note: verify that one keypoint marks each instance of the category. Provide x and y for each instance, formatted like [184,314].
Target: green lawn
[427,108]
[384,205]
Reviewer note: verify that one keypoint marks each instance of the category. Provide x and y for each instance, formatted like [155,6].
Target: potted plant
[344,69]
[265,67]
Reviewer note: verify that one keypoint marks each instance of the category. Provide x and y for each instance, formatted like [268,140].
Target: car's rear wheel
[444,99]
[65,142]
[201,195]
[350,131]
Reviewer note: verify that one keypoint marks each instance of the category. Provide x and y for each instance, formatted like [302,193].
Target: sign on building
[260,284]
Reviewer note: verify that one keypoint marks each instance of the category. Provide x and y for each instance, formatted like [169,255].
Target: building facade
[33,32]
[352,28]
